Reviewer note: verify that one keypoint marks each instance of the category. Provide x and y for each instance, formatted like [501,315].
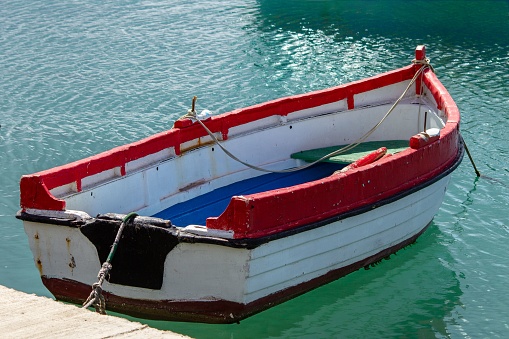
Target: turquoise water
[80,77]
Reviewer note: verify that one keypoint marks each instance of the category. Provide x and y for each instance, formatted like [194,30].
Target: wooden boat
[217,239]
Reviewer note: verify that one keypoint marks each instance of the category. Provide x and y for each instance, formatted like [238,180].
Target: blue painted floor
[197,210]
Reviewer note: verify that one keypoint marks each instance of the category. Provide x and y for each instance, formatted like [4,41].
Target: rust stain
[37,253]
[198,143]
[72,264]
[191,185]
[38,263]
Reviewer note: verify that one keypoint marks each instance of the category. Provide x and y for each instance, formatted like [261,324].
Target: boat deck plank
[393,146]
[30,316]
[196,210]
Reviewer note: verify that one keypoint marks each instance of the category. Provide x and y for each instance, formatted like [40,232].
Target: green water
[80,77]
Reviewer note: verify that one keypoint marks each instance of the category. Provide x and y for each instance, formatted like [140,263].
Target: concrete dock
[29,316]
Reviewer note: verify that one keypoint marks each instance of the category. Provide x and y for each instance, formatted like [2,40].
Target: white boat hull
[240,278]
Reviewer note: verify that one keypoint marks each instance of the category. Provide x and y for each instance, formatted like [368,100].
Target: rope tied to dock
[96,298]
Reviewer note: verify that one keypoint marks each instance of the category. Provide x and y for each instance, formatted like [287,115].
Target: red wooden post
[420,54]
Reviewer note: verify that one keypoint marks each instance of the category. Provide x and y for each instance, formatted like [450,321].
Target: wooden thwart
[348,157]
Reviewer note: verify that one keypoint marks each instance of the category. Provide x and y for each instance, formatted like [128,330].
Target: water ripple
[82,77]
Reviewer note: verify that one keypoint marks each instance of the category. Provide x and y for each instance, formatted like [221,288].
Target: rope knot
[104,272]
[96,299]
[424,62]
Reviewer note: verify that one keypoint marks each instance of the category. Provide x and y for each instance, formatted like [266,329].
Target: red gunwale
[270,212]
[267,213]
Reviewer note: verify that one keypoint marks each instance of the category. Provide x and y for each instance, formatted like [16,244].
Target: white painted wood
[62,252]
[383,94]
[289,261]
[210,272]
[150,189]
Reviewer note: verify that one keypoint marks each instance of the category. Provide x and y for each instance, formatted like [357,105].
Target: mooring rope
[425,63]
[477,173]
[191,114]
[96,298]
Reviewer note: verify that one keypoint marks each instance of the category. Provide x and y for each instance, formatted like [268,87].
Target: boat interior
[195,211]
[199,183]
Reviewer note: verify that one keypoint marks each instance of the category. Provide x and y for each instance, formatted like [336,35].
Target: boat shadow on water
[413,293]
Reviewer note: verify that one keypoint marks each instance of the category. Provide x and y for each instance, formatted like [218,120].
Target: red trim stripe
[267,213]
[35,187]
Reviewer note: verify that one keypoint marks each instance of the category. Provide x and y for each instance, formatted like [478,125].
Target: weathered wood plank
[29,316]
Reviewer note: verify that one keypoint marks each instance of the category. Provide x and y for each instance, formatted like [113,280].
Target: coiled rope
[191,114]
[96,298]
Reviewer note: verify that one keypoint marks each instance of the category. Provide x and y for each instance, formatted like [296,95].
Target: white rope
[425,63]
[192,115]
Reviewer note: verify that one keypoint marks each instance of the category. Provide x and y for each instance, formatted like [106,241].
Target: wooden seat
[393,146]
